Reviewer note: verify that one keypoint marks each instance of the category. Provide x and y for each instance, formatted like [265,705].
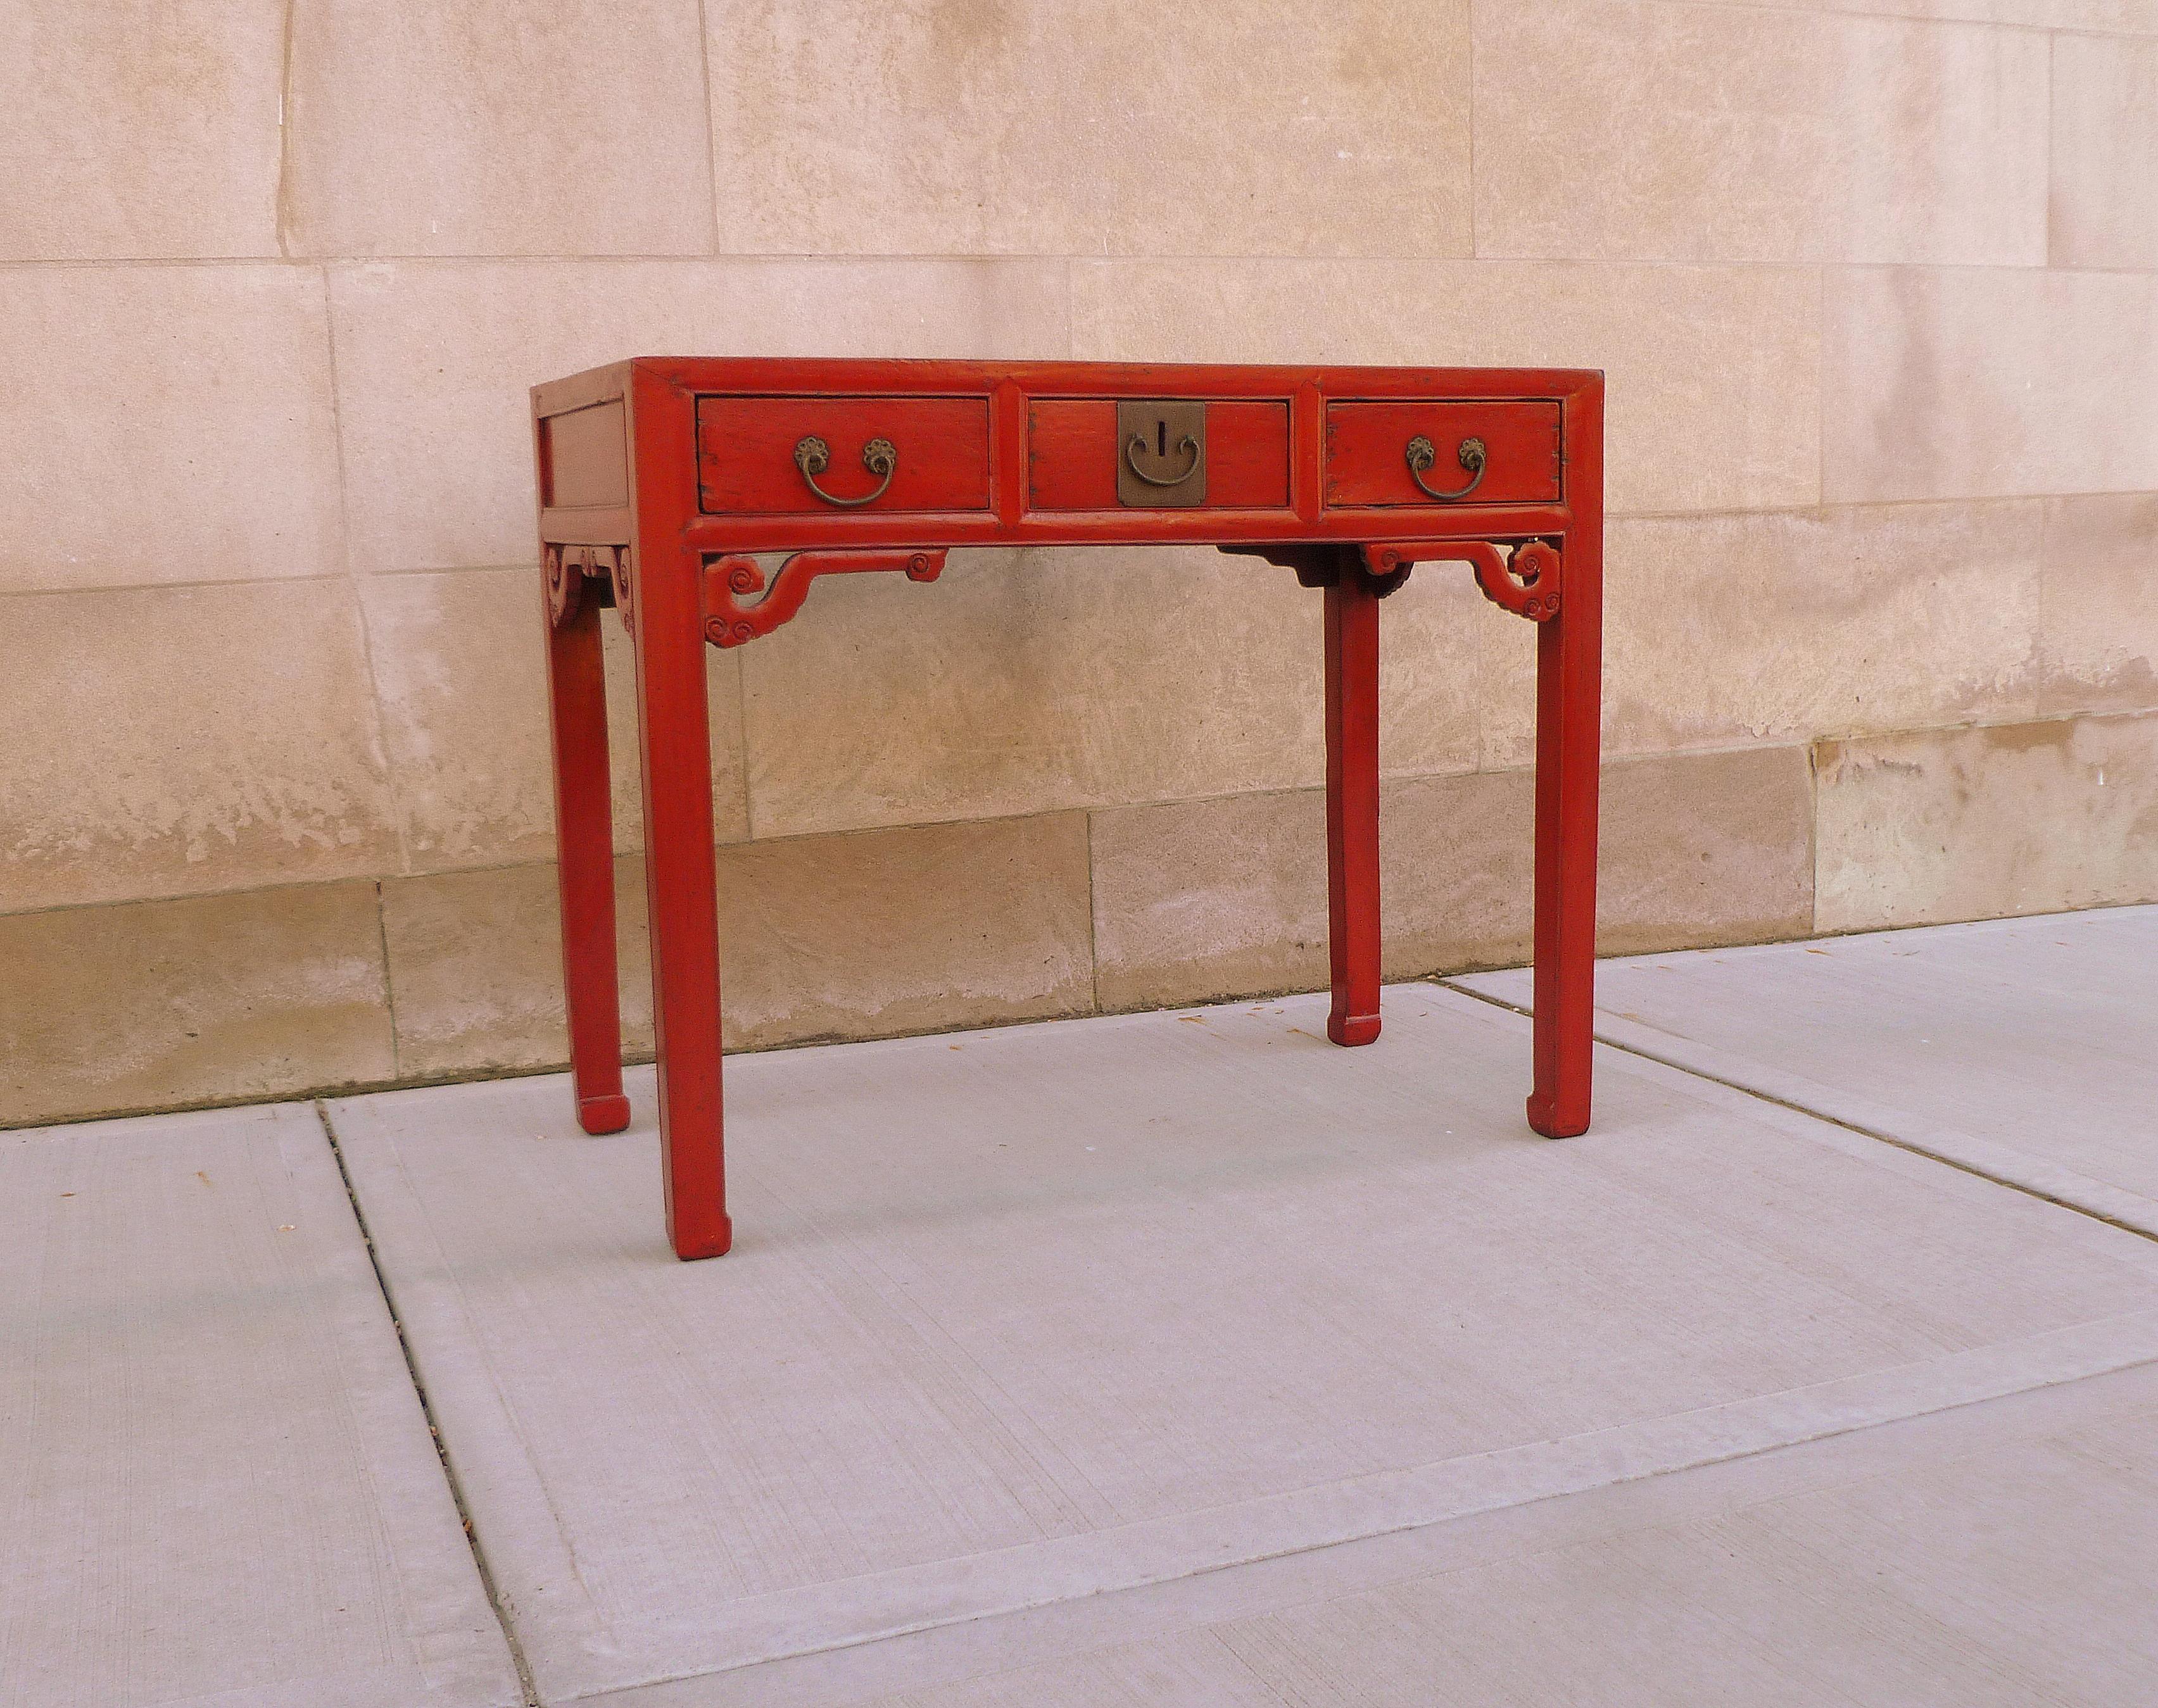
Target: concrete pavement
[1160,1358]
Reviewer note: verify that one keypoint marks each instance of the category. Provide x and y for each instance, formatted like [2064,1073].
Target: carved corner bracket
[565,569]
[729,580]
[1526,582]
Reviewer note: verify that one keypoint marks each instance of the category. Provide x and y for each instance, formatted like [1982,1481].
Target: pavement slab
[2001,1553]
[2024,1049]
[217,1483]
[1046,1318]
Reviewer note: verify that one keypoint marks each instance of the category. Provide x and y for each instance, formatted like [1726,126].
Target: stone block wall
[1875,283]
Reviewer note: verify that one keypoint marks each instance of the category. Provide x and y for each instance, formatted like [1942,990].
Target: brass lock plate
[1161,453]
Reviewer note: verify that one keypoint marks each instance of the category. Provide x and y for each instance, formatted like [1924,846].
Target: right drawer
[1397,454]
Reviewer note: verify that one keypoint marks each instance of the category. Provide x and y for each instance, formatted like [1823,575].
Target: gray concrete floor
[216,1480]
[1165,1359]
[2023,1048]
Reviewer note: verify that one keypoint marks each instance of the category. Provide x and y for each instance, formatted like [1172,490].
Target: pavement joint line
[1694,1070]
[526,1682]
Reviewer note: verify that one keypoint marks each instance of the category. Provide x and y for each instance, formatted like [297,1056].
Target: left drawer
[792,455]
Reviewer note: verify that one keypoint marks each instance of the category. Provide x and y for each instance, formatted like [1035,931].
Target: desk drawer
[788,455]
[1368,453]
[1075,451]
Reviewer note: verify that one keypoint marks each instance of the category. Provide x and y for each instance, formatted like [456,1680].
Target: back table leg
[584,835]
[1352,802]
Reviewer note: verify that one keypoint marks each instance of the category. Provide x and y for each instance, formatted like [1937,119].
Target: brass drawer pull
[813,457]
[1137,443]
[1421,455]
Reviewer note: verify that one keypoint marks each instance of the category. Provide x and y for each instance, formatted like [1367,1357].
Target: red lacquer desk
[658,479]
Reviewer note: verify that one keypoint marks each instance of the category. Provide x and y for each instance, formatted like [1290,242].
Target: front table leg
[1569,709]
[1352,801]
[664,612]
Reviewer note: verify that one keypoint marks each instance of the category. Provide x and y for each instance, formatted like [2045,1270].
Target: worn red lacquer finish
[661,478]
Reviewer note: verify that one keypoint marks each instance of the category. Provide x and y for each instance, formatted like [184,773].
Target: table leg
[1352,802]
[1569,712]
[577,687]
[681,893]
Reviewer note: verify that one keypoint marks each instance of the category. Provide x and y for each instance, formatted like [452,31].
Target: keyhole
[1161,438]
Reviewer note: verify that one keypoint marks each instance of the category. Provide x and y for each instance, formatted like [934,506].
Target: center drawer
[773,456]
[1075,449]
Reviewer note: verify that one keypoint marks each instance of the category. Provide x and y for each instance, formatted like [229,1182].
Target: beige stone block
[165,424]
[1432,631]
[1507,677]
[460,681]
[492,128]
[435,360]
[918,929]
[173,741]
[1974,382]
[2124,16]
[857,935]
[1705,848]
[1693,849]
[1458,871]
[2104,211]
[1713,398]
[1024,681]
[216,998]
[1236,128]
[1196,900]
[141,130]
[475,969]
[2097,642]
[723,699]
[461,676]
[1947,824]
[1787,625]
[1685,133]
